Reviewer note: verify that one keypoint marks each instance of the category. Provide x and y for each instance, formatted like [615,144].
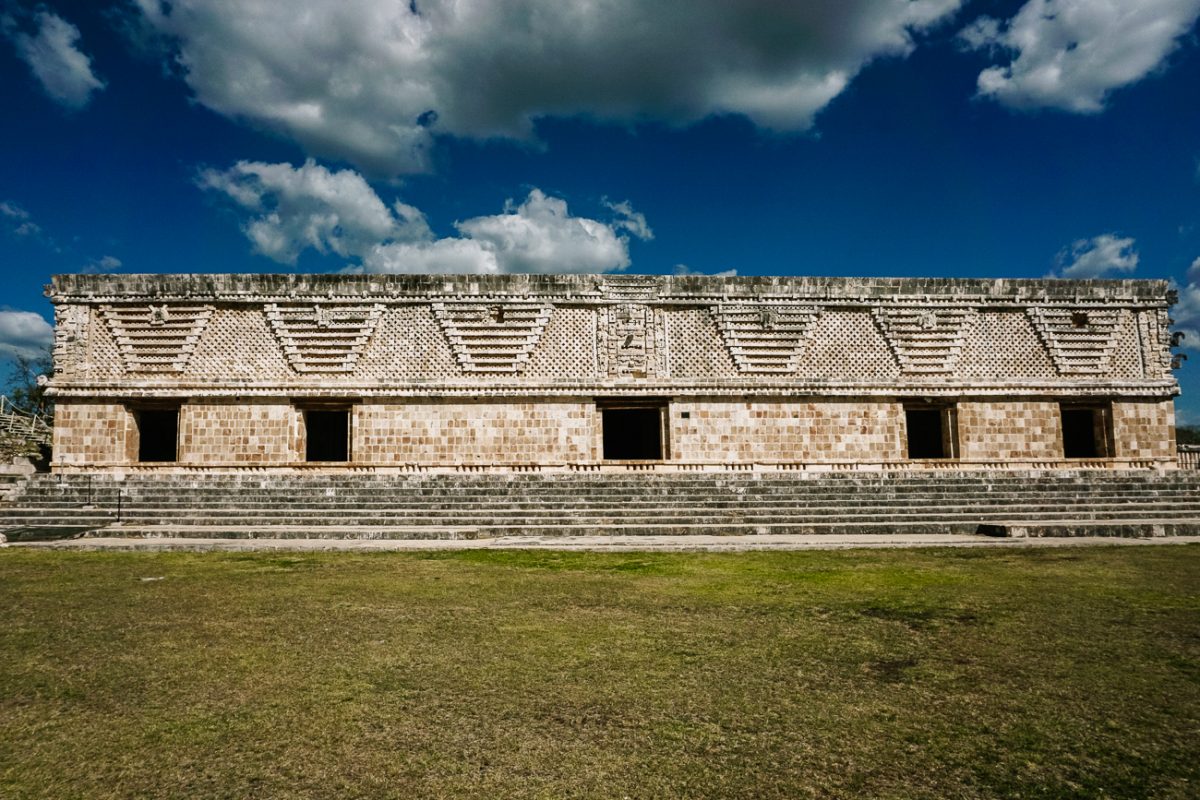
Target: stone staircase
[399,506]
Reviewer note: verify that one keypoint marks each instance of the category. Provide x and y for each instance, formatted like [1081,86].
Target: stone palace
[607,373]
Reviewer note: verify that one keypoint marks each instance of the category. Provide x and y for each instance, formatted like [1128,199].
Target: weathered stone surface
[507,370]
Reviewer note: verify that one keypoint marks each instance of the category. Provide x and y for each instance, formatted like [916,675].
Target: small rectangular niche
[327,434]
[1086,430]
[158,434]
[633,431]
[931,431]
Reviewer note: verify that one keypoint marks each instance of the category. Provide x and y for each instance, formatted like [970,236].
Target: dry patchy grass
[918,673]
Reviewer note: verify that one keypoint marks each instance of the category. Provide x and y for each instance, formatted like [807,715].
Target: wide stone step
[1128,528]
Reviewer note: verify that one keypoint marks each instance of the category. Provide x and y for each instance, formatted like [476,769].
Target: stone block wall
[1144,429]
[431,432]
[1001,430]
[239,433]
[787,430]
[93,434]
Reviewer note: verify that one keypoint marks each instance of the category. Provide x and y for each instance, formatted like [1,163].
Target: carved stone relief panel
[631,341]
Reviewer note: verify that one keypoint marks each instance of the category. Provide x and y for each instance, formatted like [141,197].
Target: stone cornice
[599,289]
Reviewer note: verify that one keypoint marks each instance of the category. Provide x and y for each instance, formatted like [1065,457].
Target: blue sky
[842,137]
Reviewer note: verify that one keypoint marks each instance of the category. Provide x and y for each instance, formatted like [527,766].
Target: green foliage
[1070,672]
[22,385]
[1187,434]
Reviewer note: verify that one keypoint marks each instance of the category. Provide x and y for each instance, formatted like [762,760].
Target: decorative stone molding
[320,337]
[765,338]
[492,337]
[156,338]
[1081,341]
[70,338]
[925,340]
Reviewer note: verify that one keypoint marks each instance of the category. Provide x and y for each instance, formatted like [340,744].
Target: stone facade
[542,372]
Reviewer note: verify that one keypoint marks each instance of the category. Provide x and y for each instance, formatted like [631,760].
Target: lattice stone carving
[924,340]
[1081,341]
[631,341]
[766,338]
[323,338]
[629,287]
[494,338]
[156,338]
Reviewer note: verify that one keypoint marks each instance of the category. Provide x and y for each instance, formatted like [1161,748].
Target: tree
[22,386]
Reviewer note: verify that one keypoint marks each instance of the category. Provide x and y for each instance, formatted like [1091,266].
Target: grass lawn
[904,673]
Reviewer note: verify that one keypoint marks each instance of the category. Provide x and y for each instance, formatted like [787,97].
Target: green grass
[903,673]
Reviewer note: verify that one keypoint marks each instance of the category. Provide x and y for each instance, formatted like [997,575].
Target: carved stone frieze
[925,340]
[1081,341]
[766,338]
[156,338]
[492,337]
[323,337]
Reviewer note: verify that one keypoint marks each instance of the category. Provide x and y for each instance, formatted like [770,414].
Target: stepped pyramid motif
[765,338]
[156,338]
[323,338]
[1080,341]
[492,337]
[925,341]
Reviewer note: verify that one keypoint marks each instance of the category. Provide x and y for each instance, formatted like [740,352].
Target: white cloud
[63,70]
[374,81]
[102,264]
[1097,257]
[684,270]
[24,333]
[18,221]
[294,208]
[1193,273]
[1069,54]
[310,206]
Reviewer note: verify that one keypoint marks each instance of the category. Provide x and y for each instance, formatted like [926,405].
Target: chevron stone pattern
[1080,341]
[156,338]
[492,338]
[323,338]
[765,338]
[925,341]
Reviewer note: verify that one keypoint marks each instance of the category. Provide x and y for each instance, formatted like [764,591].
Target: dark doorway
[632,433]
[928,430]
[327,435]
[158,434]
[1084,432]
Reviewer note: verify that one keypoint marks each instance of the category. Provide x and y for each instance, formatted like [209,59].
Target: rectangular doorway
[327,435]
[931,431]
[1085,431]
[633,433]
[158,434]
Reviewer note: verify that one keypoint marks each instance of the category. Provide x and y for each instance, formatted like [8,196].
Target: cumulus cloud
[295,208]
[1069,54]
[64,72]
[374,82]
[1098,257]
[24,333]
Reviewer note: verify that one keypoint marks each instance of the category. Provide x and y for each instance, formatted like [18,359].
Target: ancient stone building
[584,372]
